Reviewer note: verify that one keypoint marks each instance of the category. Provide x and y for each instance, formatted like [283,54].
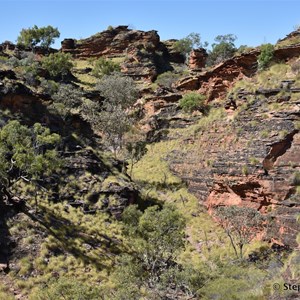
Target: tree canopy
[114,121]
[223,49]
[28,153]
[38,36]
[241,224]
[156,237]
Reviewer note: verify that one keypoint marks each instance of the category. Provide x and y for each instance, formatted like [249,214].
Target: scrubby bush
[243,49]
[69,95]
[241,224]
[3,59]
[28,66]
[156,238]
[104,66]
[167,79]
[265,56]
[296,67]
[296,179]
[25,152]
[12,62]
[58,64]
[49,87]
[66,99]
[118,90]
[193,101]
[67,289]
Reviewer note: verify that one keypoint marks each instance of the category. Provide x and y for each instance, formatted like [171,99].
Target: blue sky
[253,22]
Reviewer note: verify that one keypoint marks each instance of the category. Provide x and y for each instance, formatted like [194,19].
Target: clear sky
[253,22]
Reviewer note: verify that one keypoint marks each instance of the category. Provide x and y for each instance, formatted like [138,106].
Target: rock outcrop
[197,59]
[174,55]
[111,42]
[143,55]
[216,82]
[251,160]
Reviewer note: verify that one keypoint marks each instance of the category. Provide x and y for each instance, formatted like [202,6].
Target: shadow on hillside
[164,185]
[147,200]
[5,240]
[72,238]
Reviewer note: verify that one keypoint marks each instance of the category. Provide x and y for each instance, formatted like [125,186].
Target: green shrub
[245,170]
[68,289]
[296,179]
[296,67]
[265,56]
[193,101]
[58,64]
[167,79]
[104,66]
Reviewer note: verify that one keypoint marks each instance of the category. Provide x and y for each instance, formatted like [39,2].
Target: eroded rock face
[251,161]
[140,65]
[144,55]
[95,191]
[293,34]
[197,59]
[174,55]
[216,82]
[111,42]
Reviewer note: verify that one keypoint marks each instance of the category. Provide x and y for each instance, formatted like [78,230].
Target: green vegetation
[68,100]
[67,289]
[129,228]
[265,57]
[135,149]
[5,294]
[35,36]
[26,153]
[187,44]
[156,237]
[167,79]
[288,42]
[223,49]
[193,101]
[241,224]
[296,179]
[58,64]
[104,66]
[120,93]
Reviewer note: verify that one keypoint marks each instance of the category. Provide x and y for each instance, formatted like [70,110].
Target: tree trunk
[232,244]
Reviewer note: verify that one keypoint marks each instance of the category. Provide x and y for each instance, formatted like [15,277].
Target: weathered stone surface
[140,65]
[8,46]
[111,42]
[197,59]
[216,82]
[251,162]
[291,35]
[174,55]
[190,83]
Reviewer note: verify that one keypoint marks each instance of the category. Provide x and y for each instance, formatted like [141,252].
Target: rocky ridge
[144,55]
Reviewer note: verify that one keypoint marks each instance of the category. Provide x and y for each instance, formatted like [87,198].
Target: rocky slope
[244,151]
[144,55]
[249,156]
